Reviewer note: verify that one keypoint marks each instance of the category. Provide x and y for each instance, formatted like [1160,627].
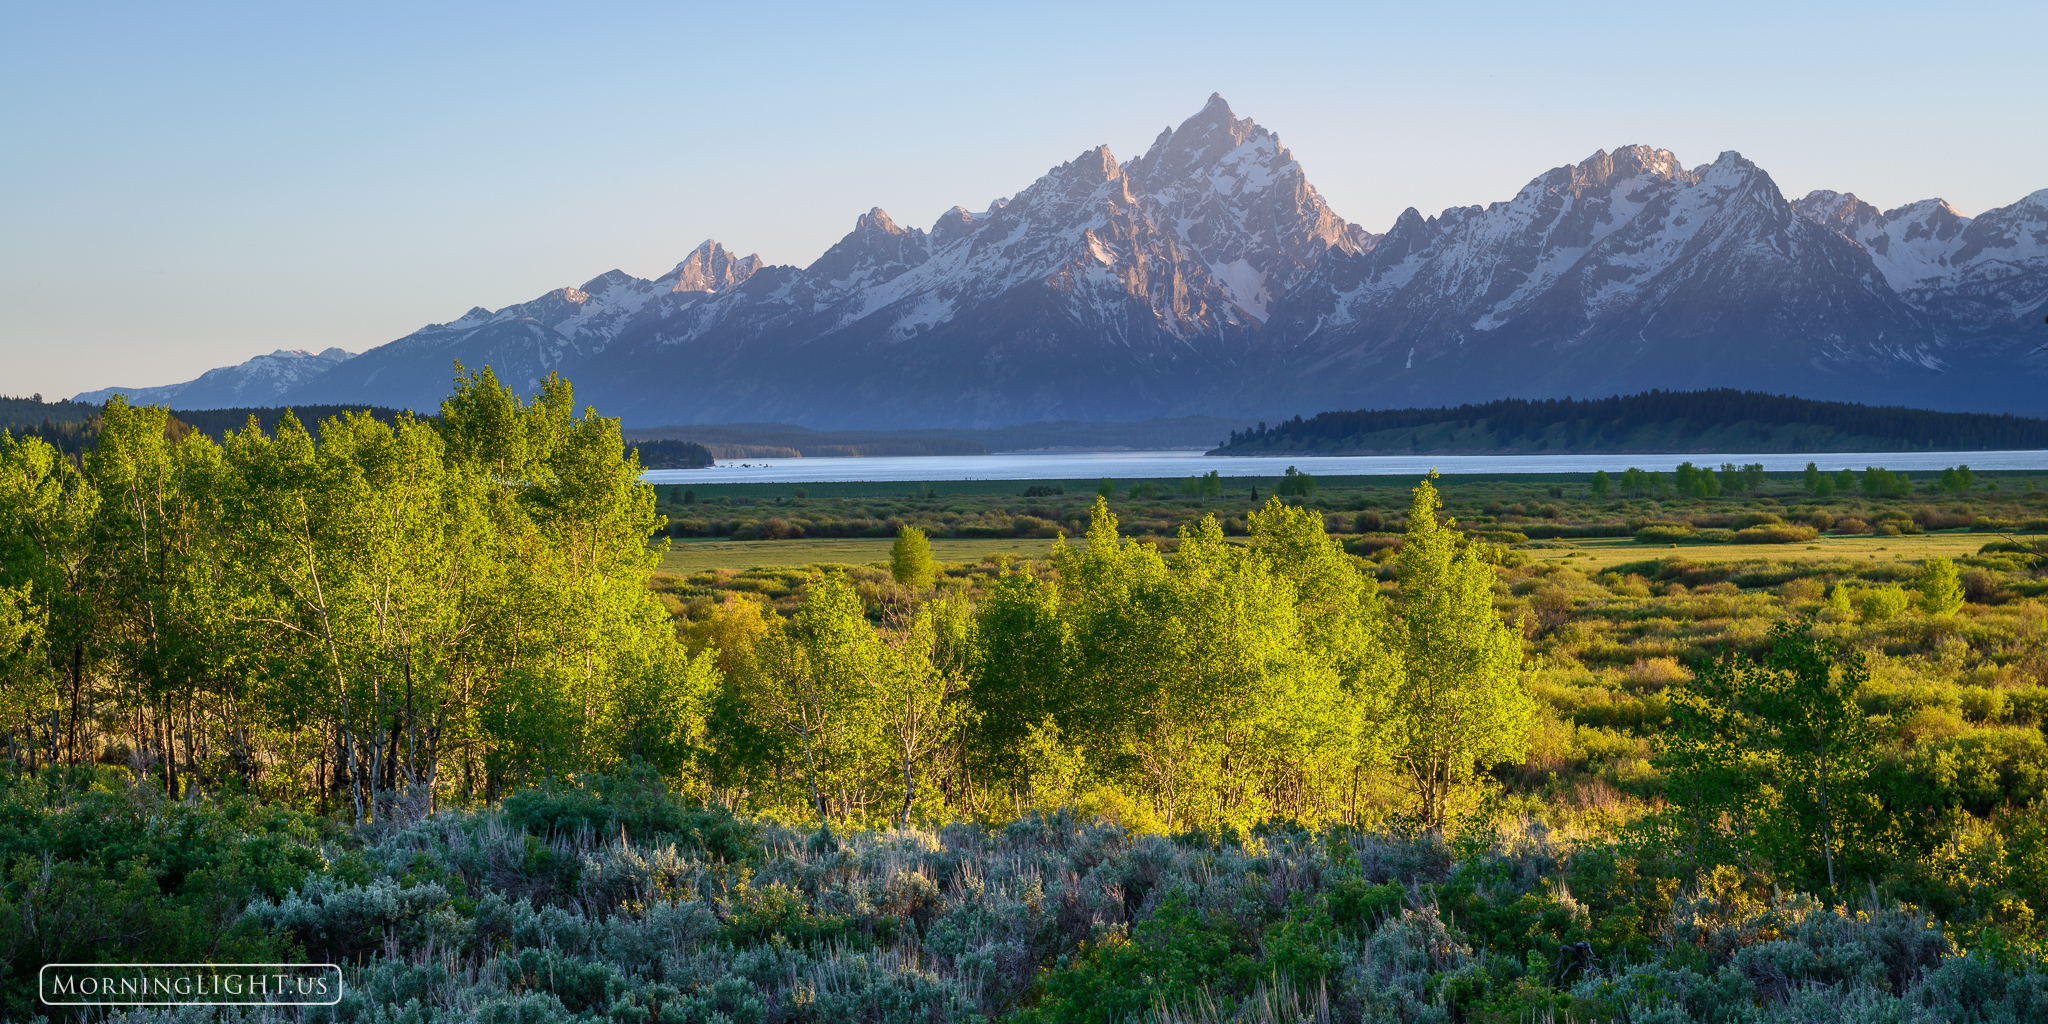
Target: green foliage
[1207,485]
[1651,421]
[1665,533]
[1600,485]
[1295,484]
[1881,603]
[1463,704]
[910,560]
[1957,479]
[390,615]
[1878,482]
[1941,589]
[1772,758]
[637,803]
[94,868]
[336,616]
[1695,482]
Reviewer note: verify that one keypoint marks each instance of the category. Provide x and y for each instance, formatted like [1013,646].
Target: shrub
[1775,535]
[94,867]
[1664,533]
[1883,603]
[1935,519]
[1498,536]
[1851,525]
[637,801]
[1366,547]
[1980,587]
[1557,531]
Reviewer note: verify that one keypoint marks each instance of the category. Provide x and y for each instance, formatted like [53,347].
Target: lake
[1153,464]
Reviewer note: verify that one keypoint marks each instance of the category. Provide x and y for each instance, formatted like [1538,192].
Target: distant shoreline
[1384,453]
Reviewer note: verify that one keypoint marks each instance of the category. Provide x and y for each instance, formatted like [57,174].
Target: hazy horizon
[205,185]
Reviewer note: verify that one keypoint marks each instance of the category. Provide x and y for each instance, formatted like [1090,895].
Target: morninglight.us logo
[189,984]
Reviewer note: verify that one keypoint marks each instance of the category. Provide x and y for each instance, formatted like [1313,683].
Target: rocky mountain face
[258,382]
[1208,276]
[1971,274]
[1625,272]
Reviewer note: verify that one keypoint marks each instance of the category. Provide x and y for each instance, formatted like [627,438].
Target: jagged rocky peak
[1078,181]
[711,267]
[952,225]
[876,247]
[876,220]
[1627,163]
[1199,145]
[1732,166]
[1092,167]
[1839,210]
[1928,219]
[1232,194]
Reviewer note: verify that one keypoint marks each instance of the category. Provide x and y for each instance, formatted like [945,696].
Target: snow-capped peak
[1208,269]
[709,268]
[256,382]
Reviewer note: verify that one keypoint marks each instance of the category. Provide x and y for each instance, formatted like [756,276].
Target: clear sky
[183,186]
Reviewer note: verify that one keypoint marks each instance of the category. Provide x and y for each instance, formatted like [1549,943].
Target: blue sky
[185,186]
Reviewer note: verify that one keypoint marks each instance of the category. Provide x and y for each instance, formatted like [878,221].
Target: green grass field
[686,557]
[689,556]
[1605,552]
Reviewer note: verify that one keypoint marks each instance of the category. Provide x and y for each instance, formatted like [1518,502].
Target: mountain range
[1208,276]
[258,382]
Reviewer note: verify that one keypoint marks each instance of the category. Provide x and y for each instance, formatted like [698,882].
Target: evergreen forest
[416,697]
[1720,420]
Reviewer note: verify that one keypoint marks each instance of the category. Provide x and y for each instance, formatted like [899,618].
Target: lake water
[1140,465]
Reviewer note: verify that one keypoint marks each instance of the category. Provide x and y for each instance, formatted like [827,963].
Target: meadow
[463,707]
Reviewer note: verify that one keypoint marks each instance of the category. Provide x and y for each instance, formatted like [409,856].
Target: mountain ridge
[1207,275]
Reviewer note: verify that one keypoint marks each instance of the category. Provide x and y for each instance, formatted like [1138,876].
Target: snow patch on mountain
[257,382]
[1209,270]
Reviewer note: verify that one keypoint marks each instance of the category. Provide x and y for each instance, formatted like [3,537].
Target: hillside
[1654,421]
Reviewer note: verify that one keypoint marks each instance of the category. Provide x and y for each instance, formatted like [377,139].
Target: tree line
[1517,419]
[448,609]
[335,621]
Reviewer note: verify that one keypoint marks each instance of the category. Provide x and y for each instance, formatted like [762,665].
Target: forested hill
[74,427]
[215,423]
[1653,421]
